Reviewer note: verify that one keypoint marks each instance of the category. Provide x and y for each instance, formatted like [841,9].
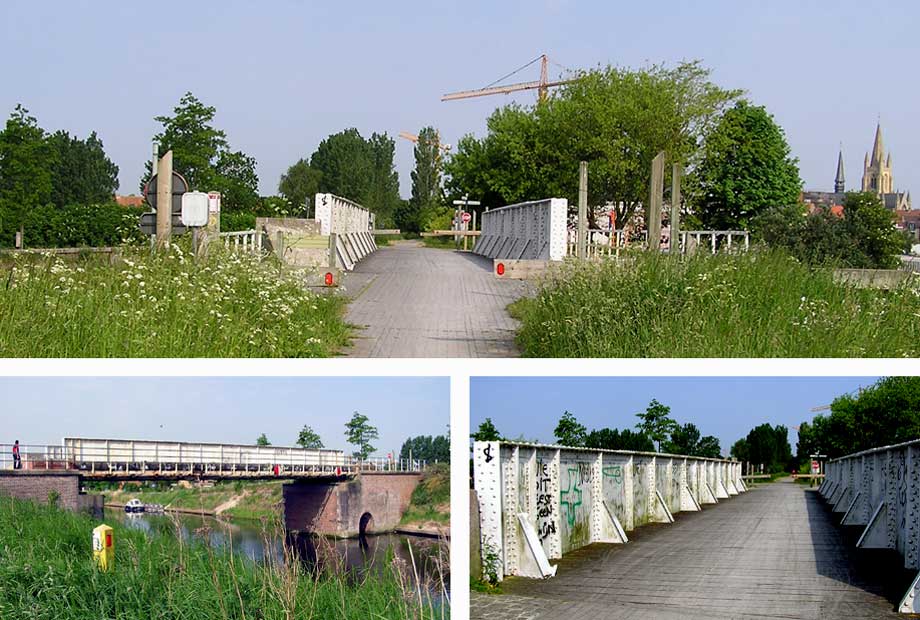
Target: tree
[613,439]
[766,446]
[740,450]
[26,163]
[569,432]
[360,434]
[82,173]
[687,440]
[300,184]
[486,432]
[655,422]
[615,119]
[203,156]
[426,182]
[262,440]
[426,448]
[383,195]
[309,439]
[746,167]
[709,447]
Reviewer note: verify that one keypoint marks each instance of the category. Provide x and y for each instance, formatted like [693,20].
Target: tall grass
[168,305]
[47,572]
[760,304]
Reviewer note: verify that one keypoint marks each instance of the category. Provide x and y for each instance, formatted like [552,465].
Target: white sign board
[214,202]
[195,209]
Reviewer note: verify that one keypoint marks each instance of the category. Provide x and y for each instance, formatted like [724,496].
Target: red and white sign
[815,467]
[466,217]
[213,202]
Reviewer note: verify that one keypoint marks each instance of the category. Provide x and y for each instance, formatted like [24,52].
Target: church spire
[840,181]
[878,151]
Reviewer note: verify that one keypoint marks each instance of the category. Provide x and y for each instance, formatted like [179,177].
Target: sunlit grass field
[47,573]
[759,304]
[167,305]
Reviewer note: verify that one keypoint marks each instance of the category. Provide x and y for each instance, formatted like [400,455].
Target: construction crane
[411,137]
[542,85]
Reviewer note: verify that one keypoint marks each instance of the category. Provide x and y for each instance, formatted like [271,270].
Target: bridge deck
[415,301]
[774,552]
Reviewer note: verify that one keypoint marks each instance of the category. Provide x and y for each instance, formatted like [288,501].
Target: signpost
[460,214]
[195,209]
[148,221]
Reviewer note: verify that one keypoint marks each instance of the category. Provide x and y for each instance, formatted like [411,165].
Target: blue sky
[224,409]
[283,74]
[726,407]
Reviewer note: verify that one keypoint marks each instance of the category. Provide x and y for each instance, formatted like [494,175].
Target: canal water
[354,556]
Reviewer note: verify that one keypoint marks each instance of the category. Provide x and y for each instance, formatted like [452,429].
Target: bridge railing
[526,231]
[145,459]
[245,241]
[349,224]
[879,489]
[538,502]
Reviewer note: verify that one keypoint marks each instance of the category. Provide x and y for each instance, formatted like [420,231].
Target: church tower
[877,170]
[839,180]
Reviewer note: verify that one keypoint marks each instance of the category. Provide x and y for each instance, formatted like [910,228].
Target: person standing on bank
[17,460]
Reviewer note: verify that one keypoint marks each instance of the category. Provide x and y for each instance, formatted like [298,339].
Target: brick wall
[37,485]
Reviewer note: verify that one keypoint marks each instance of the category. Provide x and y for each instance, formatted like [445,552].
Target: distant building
[130,201]
[877,178]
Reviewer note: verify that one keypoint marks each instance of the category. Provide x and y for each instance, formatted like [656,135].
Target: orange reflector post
[329,279]
[500,269]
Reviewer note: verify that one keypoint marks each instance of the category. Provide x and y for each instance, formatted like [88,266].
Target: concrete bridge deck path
[414,301]
[775,552]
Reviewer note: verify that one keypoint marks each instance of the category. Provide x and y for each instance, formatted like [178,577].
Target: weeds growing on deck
[760,304]
[228,305]
[47,572]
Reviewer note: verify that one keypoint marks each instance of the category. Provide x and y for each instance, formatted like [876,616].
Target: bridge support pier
[44,487]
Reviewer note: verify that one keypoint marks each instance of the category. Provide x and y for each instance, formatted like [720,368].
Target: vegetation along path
[414,301]
[775,552]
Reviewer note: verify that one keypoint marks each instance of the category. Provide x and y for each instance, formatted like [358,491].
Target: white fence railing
[606,243]
[129,459]
[529,230]
[539,502]
[880,490]
[350,224]
[247,241]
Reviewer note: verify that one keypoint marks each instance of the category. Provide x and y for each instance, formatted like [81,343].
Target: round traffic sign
[179,187]
[466,217]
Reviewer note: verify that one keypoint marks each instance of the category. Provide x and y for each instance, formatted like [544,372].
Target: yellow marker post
[104,547]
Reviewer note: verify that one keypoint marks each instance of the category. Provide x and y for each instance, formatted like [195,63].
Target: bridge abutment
[44,487]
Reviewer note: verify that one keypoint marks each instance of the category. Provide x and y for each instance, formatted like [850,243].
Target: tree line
[360,433]
[655,431]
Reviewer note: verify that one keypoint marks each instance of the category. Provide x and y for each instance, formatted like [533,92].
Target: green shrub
[231,222]
[74,226]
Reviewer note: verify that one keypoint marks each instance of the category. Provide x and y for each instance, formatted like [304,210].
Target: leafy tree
[616,119]
[426,183]
[746,167]
[27,159]
[309,439]
[863,237]
[82,173]
[427,448]
[613,439]
[687,440]
[262,440]
[765,445]
[300,184]
[569,432]
[656,423]
[383,195]
[740,450]
[203,156]
[486,432]
[709,447]
[360,433]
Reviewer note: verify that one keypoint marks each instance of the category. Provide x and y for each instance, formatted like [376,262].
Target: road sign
[466,217]
[148,224]
[195,209]
[179,187]
[815,467]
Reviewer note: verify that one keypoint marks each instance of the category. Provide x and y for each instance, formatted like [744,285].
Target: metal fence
[879,489]
[247,241]
[526,231]
[349,227]
[539,502]
[130,459]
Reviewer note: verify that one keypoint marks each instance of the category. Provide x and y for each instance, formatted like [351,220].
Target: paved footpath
[414,301]
[773,552]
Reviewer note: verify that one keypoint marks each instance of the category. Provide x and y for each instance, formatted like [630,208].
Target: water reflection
[426,558]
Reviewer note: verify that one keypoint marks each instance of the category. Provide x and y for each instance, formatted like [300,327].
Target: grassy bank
[164,306]
[430,504]
[46,572]
[239,500]
[758,304]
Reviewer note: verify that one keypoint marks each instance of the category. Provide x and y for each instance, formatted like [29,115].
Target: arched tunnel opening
[365,527]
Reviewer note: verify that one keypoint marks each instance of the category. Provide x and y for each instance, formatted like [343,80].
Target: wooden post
[581,237]
[656,190]
[333,249]
[164,199]
[676,173]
